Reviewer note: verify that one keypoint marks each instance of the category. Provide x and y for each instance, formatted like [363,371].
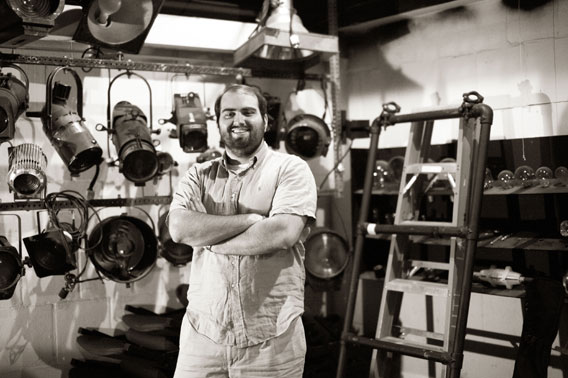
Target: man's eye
[228,115]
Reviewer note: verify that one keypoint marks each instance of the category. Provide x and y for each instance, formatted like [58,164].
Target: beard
[242,144]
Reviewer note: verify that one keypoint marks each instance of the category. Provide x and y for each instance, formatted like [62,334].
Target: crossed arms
[242,234]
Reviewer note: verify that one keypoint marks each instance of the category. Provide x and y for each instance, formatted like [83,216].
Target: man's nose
[239,119]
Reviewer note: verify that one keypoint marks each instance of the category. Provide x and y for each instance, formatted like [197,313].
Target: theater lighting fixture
[123,248]
[117,24]
[327,253]
[307,136]
[52,252]
[65,127]
[282,42]
[274,132]
[191,122]
[11,268]
[131,136]
[25,21]
[176,253]
[14,100]
[26,172]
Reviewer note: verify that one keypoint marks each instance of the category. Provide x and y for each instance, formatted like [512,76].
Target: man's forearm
[198,229]
[269,235]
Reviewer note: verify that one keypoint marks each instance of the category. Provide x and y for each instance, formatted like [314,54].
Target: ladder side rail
[356,265]
[484,115]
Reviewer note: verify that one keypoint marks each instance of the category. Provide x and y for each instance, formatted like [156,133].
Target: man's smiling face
[240,122]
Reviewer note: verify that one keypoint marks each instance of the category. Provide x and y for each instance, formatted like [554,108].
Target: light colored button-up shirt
[245,300]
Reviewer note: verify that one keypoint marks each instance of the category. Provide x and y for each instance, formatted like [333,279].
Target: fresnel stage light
[137,157]
[65,126]
[14,99]
[25,21]
[191,122]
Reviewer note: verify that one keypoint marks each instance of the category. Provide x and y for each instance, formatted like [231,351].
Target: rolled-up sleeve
[187,187]
[296,192]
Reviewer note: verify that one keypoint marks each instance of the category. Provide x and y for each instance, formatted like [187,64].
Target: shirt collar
[259,155]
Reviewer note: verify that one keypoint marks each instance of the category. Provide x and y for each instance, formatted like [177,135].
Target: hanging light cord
[336,165]
[77,231]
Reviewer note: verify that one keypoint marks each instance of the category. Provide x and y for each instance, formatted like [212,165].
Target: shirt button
[232,285]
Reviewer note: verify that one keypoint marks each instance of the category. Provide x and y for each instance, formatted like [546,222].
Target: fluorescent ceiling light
[198,33]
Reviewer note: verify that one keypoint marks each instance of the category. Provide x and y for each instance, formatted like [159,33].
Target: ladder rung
[429,264]
[419,332]
[394,344]
[415,228]
[412,344]
[418,287]
[431,224]
[431,168]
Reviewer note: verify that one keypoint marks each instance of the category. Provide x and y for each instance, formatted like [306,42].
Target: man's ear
[265,122]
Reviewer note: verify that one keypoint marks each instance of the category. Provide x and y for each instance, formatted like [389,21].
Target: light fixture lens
[327,253]
[132,139]
[124,248]
[35,8]
[308,136]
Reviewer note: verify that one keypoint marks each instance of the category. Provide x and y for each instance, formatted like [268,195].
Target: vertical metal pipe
[486,119]
[354,279]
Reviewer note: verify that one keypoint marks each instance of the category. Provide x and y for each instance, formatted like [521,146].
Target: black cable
[95,177]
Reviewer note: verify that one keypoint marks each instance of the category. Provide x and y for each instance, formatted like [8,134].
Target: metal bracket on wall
[106,202]
[128,64]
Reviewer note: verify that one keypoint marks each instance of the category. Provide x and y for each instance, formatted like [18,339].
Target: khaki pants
[282,356]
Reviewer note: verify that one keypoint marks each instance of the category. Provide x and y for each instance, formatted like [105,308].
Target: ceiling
[313,12]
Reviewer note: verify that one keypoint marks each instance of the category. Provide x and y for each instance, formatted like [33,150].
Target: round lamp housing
[308,136]
[327,253]
[123,248]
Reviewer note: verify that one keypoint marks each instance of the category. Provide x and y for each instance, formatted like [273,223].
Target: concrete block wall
[39,330]
[517,59]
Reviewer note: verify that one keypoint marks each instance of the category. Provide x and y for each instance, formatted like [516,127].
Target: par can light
[124,248]
[14,99]
[65,126]
[26,173]
[11,269]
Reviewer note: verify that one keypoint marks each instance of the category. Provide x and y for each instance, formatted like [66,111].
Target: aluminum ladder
[466,177]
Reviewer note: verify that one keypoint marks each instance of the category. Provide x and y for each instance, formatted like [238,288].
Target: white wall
[38,332]
[518,60]
[515,59]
